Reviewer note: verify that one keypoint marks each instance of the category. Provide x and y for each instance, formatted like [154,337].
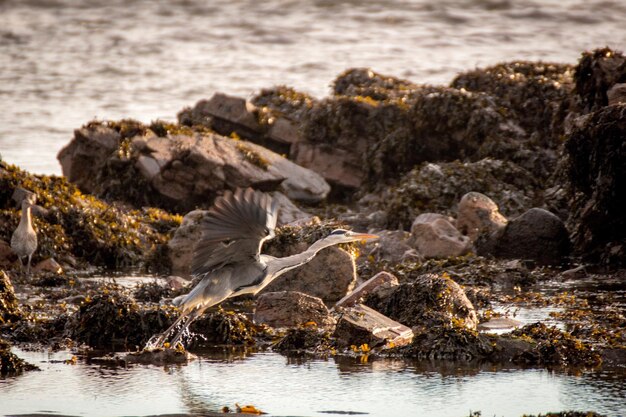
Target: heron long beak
[364,236]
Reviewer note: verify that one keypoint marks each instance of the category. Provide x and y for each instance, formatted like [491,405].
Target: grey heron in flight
[228,256]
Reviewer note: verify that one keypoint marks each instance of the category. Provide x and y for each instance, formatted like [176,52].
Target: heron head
[345,236]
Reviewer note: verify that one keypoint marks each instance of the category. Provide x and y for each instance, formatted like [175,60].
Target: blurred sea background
[66,62]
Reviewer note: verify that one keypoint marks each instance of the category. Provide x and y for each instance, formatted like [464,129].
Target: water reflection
[301,387]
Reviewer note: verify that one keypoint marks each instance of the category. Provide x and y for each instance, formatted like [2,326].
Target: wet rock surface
[10,364]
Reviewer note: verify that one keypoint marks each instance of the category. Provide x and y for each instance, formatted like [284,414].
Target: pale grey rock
[434,236]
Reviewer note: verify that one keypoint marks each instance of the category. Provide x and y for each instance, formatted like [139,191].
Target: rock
[478,214]
[596,161]
[391,246]
[360,325]
[575,273]
[434,236]
[337,166]
[329,276]
[428,301]
[285,131]
[617,94]
[183,169]
[227,114]
[7,256]
[596,73]
[380,285]
[536,234]
[48,265]
[291,309]
[20,194]
[9,307]
[221,328]
[182,245]
[288,212]
[499,324]
[87,153]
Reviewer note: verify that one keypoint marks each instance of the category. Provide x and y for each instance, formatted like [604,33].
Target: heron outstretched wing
[234,230]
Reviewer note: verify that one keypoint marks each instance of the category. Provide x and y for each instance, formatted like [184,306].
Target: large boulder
[291,309]
[428,301]
[536,234]
[435,236]
[329,276]
[83,158]
[183,243]
[178,168]
[596,158]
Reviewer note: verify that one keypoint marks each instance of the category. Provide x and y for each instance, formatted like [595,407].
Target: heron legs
[162,337]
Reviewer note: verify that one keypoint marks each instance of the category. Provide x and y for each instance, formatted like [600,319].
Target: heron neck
[26,218]
[288,263]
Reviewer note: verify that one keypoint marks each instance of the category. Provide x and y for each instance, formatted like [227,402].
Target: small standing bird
[24,238]
[228,256]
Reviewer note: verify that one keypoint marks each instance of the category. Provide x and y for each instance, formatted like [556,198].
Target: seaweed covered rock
[329,276]
[80,226]
[10,364]
[180,168]
[536,94]
[449,343]
[597,71]
[222,328]
[596,157]
[363,82]
[428,301]
[9,308]
[551,346]
[113,320]
[291,309]
[536,234]
[435,236]
[304,340]
[438,188]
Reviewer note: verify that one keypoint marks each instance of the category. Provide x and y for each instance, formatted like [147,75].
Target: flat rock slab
[360,324]
[382,279]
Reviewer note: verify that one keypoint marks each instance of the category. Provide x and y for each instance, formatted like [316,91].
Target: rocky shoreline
[483,192]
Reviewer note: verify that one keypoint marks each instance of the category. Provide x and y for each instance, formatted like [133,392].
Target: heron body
[24,238]
[228,256]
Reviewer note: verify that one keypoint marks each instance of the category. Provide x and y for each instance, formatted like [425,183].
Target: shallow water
[63,63]
[290,387]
